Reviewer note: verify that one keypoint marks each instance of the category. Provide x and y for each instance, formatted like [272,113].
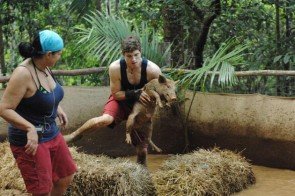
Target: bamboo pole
[245,73]
[75,72]
[96,70]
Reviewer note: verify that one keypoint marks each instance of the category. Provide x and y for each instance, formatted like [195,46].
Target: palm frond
[223,61]
[103,38]
[79,6]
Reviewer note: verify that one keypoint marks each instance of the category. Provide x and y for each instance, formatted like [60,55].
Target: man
[127,76]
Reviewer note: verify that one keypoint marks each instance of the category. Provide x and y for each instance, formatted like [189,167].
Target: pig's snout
[171,98]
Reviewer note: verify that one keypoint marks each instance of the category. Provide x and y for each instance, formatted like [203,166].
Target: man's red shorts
[120,110]
[51,162]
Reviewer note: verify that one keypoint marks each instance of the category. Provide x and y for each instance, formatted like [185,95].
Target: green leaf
[223,61]
[277,58]
[286,59]
[103,37]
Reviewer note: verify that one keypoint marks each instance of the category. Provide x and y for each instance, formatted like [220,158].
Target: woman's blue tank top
[40,110]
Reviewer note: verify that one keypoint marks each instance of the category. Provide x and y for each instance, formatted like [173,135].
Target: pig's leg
[157,96]
[149,135]
[154,147]
[141,155]
[131,122]
[129,125]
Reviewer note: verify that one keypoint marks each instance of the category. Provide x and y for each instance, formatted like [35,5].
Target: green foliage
[251,22]
[223,61]
[136,11]
[103,37]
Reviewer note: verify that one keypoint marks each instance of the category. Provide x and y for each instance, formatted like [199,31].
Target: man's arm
[115,81]
[115,84]
[153,71]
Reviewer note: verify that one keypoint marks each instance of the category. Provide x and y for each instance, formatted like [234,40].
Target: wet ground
[269,181]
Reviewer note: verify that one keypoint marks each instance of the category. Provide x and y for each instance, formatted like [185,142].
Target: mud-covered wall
[83,103]
[261,127]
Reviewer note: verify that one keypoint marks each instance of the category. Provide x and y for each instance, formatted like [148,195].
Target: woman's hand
[32,143]
[63,119]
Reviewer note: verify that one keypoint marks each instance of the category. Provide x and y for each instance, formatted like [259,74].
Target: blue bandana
[50,41]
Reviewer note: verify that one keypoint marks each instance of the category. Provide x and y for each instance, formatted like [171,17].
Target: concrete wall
[261,127]
[83,103]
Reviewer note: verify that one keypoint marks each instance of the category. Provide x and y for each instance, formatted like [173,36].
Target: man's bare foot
[71,138]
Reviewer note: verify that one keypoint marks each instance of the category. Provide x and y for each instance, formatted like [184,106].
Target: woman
[30,104]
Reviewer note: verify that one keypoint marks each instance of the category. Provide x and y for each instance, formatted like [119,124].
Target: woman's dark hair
[33,49]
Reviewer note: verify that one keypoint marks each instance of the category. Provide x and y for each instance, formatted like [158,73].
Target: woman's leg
[60,187]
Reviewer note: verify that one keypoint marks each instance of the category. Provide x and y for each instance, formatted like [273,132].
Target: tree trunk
[201,42]
[2,61]
[108,7]
[288,19]
[278,36]
[206,23]
[98,5]
[173,32]
[117,6]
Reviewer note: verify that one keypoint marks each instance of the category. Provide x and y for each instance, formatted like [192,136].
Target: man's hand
[32,144]
[144,98]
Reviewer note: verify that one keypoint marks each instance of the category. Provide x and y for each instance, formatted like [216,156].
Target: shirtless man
[127,76]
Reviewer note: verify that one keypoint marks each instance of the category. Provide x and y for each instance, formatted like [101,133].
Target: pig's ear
[162,79]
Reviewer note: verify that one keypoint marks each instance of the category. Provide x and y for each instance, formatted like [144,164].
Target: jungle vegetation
[199,35]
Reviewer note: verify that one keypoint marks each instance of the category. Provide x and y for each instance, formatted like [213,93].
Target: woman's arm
[14,92]
[63,119]
[16,89]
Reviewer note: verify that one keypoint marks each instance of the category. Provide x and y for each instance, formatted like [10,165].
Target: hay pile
[204,172]
[97,175]
[12,192]
[10,175]
[100,175]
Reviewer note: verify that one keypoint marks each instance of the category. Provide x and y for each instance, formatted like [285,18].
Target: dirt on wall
[83,103]
[261,127]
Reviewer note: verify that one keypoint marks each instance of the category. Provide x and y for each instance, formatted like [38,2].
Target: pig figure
[139,123]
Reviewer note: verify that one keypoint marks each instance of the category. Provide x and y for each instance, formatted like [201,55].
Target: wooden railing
[77,72]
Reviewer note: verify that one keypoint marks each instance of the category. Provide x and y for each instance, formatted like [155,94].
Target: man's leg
[97,122]
[141,154]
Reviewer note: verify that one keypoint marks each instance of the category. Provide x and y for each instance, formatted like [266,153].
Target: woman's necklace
[42,71]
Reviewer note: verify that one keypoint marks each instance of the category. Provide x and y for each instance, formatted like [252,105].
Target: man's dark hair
[130,44]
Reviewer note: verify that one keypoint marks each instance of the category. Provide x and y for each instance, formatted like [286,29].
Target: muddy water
[269,181]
